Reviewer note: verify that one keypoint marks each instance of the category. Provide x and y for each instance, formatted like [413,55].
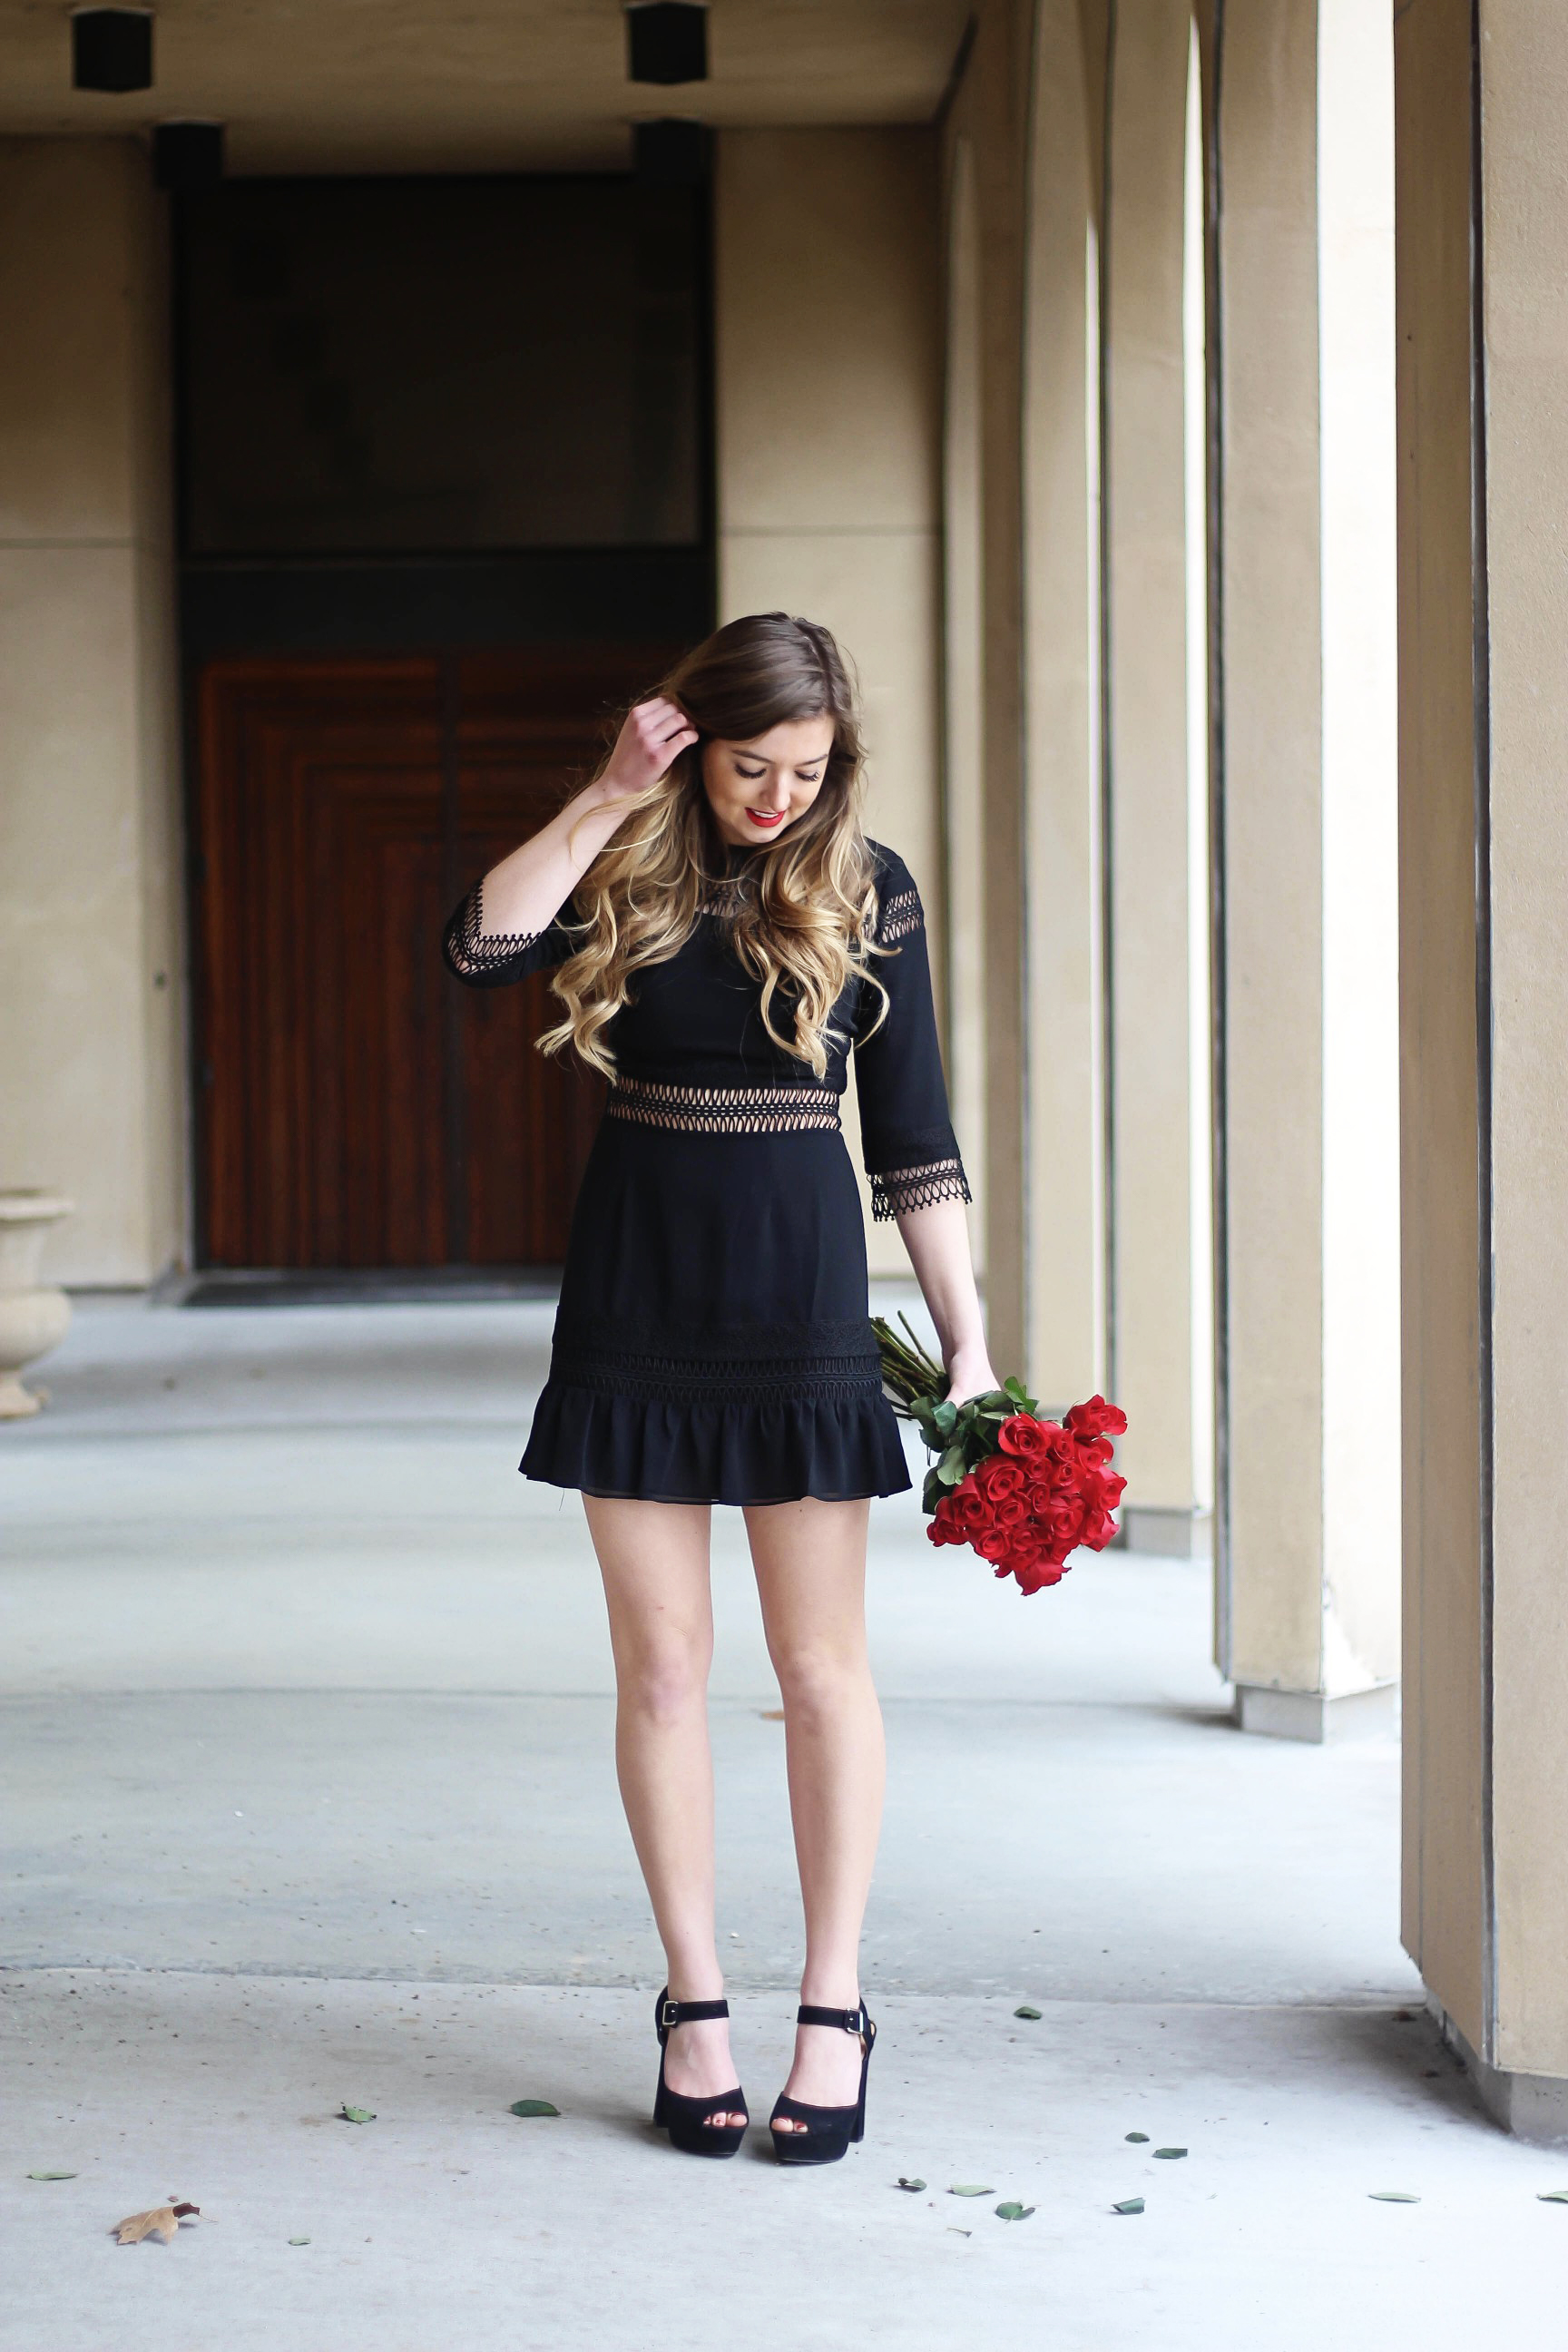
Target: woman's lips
[766,816]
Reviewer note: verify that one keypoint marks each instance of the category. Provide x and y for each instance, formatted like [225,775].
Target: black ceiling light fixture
[672,153]
[187,156]
[111,48]
[667,41]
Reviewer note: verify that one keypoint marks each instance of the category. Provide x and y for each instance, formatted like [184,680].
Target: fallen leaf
[299,2242]
[533,2108]
[1142,2138]
[1394,2197]
[969,2189]
[910,2185]
[1034,2015]
[158,2221]
[1542,2196]
[1012,2211]
[356,2114]
[1169,2151]
[51,2175]
[1129,2205]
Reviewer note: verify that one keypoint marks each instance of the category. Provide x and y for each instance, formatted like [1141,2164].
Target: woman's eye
[750,774]
[805,778]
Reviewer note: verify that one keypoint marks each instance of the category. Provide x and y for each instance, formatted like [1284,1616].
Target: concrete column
[1483,516]
[1065,1196]
[91,962]
[988,114]
[1152,1309]
[828,399]
[1308,1546]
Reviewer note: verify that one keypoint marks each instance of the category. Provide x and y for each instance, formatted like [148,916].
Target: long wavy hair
[801,919]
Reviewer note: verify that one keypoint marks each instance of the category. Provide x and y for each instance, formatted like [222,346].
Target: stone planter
[33,1318]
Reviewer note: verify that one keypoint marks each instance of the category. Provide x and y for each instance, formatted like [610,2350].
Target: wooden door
[355,1107]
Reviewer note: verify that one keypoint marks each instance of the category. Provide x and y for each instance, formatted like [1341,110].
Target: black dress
[712,1342]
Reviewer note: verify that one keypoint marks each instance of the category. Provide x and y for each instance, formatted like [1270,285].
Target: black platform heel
[684,2118]
[828,2130]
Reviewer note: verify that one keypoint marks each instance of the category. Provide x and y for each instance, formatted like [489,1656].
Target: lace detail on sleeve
[471,955]
[896,1190]
[898,915]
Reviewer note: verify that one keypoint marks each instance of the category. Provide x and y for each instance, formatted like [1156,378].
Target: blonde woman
[722,935]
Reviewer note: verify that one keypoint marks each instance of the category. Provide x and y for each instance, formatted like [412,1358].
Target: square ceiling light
[111,48]
[667,41]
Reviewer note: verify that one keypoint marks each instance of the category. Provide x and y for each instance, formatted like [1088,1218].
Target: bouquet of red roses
[1024,1492]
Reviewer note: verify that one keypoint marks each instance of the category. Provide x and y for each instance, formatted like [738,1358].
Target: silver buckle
[670,2014]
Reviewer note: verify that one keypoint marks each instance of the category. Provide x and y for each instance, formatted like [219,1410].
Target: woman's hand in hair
[652,738]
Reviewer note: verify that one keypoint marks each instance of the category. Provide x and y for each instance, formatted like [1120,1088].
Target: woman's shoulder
[899,906]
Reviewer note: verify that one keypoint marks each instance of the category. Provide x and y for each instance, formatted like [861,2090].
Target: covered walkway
[308,1702]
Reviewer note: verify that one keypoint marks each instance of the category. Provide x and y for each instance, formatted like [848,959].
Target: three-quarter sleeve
[489,960]
[910,1152]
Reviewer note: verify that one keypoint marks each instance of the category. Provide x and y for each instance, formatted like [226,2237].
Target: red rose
[1097,1418]
[1022,1435]
[997,1477]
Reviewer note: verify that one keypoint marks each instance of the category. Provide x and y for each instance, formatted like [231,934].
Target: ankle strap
[689,2012]
[848,2021]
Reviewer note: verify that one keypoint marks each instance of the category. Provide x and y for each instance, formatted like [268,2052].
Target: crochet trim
[724,1110]
[895,1192]
[471,952]
[900,915]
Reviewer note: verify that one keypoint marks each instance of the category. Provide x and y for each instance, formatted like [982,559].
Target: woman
[722,934]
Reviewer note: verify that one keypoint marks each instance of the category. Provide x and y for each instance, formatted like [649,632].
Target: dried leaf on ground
[1392,2197]
[910,2185]
[299,2242]
[1129,2205]
[51,2175]
[356,2114]
[971,2189]
[158,2221]
[1013,2212]
[533,2108]
[1551,2197]
[1169,2151]
[1141,2138]
[1033,2014]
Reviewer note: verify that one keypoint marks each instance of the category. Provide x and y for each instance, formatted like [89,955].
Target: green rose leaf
[931,1492]
[944,1416]
[1392,2197]
[1129,2205]
[1169,2151]
[951,1466]
[1034,2015]
[1010,2212]
[357,2115]
[533,2108]
[51,2175]
[1543,2196]
[971,2189]
[914,2187]
[1142,2138]
[299,2242]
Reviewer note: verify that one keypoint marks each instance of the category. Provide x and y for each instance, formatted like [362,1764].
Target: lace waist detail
[724,1110]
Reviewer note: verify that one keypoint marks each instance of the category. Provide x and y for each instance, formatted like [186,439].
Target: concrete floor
[307,1708]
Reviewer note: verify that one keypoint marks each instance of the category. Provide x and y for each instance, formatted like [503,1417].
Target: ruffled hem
[837,1450]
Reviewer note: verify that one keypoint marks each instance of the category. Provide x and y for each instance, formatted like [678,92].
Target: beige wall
[829,392]
[90,955]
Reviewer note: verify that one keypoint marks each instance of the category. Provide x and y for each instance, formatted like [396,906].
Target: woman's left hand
[969,1374]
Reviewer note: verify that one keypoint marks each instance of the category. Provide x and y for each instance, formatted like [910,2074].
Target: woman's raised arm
[524,893]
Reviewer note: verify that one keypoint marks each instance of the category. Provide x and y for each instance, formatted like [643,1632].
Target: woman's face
[757,790]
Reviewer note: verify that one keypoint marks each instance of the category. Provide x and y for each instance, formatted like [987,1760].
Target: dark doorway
[446,469]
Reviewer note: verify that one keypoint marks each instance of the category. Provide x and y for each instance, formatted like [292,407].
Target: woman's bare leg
[654,1560]
[810,1560]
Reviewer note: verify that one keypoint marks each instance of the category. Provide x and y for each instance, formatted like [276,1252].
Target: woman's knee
[820,1677]
[665,1681]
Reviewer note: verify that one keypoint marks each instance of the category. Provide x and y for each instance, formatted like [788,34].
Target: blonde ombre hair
[805,929]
